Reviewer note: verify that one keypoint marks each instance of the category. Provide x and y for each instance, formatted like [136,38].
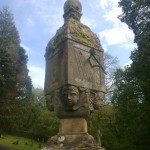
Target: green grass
[23,143]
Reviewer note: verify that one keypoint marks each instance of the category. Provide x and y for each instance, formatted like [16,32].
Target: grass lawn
[19,143]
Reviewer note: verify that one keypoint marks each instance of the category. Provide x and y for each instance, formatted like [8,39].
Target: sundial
[74,79]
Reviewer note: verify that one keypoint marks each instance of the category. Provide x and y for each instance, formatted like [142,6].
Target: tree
[127,101]
[9,37]
[133,84]
[15,84]
[7,75]
[38,96]
[7,85]
[103,127]
[136,16]
[110,65]
[46,122]
[23,81]
[10,44]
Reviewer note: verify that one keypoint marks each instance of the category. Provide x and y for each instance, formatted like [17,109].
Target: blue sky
[38,20]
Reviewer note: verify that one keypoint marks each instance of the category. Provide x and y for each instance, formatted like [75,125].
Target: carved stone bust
[70,97]
[72,101]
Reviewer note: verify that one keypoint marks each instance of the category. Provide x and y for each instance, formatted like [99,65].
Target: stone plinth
[73,142]
[72,135]
[73,126]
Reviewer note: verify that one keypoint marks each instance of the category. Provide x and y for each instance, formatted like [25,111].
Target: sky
[38,20]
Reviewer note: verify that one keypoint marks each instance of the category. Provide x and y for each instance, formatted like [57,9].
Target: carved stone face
[70,95]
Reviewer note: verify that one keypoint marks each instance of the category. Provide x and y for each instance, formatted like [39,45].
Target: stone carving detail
[79,95]
[74,99]
[70,97]
[96,99]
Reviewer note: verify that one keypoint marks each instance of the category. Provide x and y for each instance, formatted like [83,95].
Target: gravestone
[74,80]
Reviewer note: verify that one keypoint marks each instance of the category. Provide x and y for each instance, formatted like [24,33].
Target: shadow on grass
[6,148]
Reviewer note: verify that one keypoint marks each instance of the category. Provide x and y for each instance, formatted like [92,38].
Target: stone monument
[74,80]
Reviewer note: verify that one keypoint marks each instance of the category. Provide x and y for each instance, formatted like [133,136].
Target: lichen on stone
[76,31]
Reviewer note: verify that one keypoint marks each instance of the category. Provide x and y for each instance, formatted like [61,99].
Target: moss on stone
[77,32]
[81,33]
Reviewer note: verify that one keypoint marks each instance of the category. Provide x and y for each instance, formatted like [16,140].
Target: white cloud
[35,69]
[103,4]
[89,22]
[112,15]
[128,64]
[131,46]
[113,36]
[28,50]
[104,46]
[117,35]
[38,75]
[106,4]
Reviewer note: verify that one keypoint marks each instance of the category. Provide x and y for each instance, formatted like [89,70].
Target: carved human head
[70,95]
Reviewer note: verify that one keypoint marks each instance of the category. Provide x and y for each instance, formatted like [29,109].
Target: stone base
[101,148]
[73,142]
[72,136]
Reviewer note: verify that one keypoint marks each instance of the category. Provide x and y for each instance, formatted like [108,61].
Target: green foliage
[127,101]
[136,16]
[23,81]
[23,58]
[102,126]
[9,39]
[46,123]
[43,122]
[8,33]
[38,96]
[29,116]
[132,96]
[7,75]
[12,53]
[15,84]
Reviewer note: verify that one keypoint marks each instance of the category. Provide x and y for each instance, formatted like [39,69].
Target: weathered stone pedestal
[75,126]
[74,80]
[73,135]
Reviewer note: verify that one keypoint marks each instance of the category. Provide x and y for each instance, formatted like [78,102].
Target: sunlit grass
[19,143]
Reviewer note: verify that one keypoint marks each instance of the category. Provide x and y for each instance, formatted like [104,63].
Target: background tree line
[22,107]
[123,122]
